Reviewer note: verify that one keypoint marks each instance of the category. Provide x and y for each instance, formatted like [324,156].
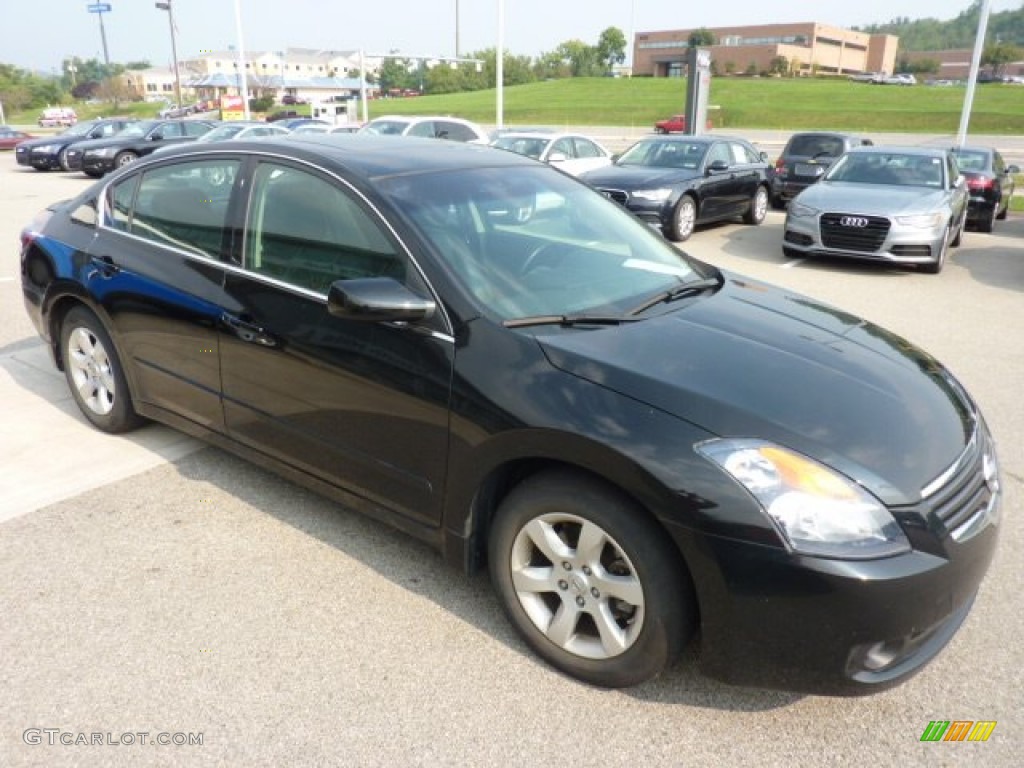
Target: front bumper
[21,155]
[774,618]
[880,239]
[94,164]
[44,161]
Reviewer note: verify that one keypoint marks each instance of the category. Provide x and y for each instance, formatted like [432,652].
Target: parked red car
[674,124]
[10,138]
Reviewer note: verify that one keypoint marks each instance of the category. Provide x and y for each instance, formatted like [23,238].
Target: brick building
[809,47]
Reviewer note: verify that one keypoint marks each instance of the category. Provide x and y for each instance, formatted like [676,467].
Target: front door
[361,405]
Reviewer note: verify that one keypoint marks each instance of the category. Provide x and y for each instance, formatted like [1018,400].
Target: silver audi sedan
[902,205]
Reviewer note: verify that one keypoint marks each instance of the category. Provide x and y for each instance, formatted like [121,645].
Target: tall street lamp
[174,50]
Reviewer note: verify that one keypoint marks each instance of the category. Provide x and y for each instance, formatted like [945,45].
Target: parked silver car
[903,205]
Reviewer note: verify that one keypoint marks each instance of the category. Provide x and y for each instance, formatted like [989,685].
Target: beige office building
[809,48]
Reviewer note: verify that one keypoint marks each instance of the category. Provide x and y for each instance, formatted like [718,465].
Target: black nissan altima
[480,350]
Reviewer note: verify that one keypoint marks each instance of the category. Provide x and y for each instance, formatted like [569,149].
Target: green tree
[396,73]
[779,65]
[998,55]
[701,38]
[611,47]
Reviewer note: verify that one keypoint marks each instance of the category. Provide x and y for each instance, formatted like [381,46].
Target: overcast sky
[38,34]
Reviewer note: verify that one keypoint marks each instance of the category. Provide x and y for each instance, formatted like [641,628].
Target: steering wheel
[545,253]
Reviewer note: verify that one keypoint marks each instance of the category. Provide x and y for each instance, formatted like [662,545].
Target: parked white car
[443,127]
[569,152]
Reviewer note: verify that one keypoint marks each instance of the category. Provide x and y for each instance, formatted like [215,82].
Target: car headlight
[654,195]
[815,509]
[922,220]
[800,211]
[45,149]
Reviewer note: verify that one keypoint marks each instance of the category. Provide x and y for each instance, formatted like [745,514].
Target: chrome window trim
[447,334]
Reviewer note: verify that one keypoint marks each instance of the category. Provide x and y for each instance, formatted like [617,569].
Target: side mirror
[718,166]
[377,299]
[764,157]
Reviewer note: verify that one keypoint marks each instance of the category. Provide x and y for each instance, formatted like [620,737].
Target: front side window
[308,231]
[183,205]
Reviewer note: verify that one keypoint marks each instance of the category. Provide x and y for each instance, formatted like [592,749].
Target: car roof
[893,149]
[369,156]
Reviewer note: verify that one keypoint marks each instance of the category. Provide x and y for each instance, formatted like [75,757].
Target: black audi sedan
[50,153]
[990,184]
[677,182]
[99,156]
[482,351]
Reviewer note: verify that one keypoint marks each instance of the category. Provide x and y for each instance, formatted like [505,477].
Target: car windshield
[136,129]
[893,169]
[530,242]
[385,127]
[222,132]
[665,154]
[79,129]
[530,146]
[971,160]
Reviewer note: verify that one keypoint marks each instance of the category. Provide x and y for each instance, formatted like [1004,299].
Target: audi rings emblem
[853,221]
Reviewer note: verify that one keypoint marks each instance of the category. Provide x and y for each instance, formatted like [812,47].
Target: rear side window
[454,131]
[183,205]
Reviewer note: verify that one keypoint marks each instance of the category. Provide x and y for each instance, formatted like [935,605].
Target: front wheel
[940,260]
[758,207]
[125,158]
[684,219]
[589,581]
[62,160]
[94,374]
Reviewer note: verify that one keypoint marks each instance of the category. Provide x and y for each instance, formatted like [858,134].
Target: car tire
[758,207]
[94,373]
[613,613]
[936,266]
[1005,211]
[684,219]
[662,131]
[93,174]
[62,160]
[959,236]
[124,158]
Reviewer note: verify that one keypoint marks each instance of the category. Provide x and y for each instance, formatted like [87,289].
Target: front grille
[966,493]
[850,232]
[618,195]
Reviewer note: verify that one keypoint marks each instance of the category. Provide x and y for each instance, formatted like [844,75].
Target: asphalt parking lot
[150,585]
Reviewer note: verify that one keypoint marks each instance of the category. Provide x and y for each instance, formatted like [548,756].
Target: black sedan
[677,182]
[51,152]
[483,352]
[100,156]
[990,184]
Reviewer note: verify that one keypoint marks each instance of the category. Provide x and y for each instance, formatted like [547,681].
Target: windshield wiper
[567,320]
[677,292]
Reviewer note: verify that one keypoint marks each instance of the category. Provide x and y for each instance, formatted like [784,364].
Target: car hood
[872,199]
[637,177]
[755,361]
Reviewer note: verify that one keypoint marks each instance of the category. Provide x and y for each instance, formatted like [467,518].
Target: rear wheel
[684,219]
[1006,209]
[758,207]
[94,374]
[589,581]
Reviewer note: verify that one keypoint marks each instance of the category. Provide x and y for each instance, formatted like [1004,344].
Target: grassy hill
[788,104]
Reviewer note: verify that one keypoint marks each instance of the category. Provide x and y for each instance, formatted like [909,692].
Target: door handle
[105,265]
[247,331]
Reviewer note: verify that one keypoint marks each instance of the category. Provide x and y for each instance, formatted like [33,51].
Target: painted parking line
[7,279]
[792,263]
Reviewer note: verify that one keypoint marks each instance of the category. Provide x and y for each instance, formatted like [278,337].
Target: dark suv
[805,159]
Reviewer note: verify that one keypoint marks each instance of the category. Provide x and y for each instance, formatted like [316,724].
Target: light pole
[174,51]
[241,60]
[499,65]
